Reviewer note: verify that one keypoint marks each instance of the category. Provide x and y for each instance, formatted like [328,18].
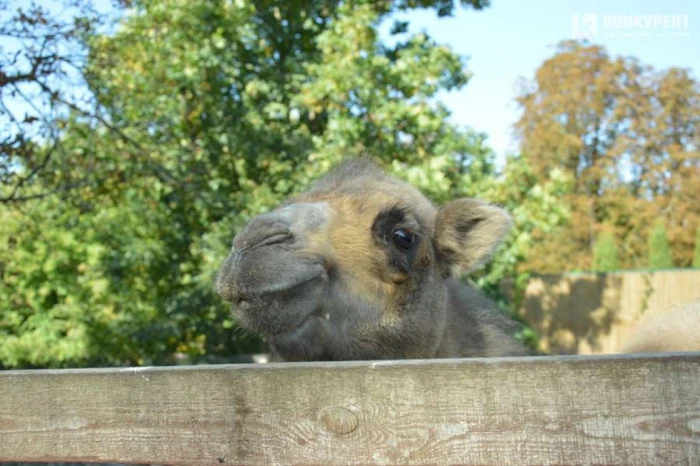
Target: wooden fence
[642,410]
[595,313]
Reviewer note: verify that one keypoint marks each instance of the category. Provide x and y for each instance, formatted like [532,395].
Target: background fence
[596,313]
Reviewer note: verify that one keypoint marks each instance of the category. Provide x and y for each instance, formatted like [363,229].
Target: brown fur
[673,330]
[363,295]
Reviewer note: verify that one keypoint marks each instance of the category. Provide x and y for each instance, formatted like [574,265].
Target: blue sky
[512,38]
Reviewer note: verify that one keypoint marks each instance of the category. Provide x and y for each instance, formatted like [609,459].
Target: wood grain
[642,409]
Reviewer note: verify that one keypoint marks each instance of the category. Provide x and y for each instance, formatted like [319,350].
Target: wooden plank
[550,410]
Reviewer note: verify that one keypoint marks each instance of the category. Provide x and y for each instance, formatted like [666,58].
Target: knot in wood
[339,420]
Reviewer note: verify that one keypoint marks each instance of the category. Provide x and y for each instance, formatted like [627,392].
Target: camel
[674,330]
[362,266]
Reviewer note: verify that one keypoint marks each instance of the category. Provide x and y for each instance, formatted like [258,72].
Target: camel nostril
[262,233]
[274,239]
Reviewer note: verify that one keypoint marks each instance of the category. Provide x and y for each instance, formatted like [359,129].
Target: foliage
[605,253]
[100,289]
[627,135]
[660,255]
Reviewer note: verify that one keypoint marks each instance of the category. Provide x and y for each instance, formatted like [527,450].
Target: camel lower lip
[286,332]
[280,310]
[292,333]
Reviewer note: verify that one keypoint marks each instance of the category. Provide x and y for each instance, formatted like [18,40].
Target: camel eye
[403,238]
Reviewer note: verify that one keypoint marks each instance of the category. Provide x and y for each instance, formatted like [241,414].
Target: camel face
[355,267]
[275,283]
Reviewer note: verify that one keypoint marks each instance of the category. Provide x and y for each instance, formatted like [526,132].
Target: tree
[42,81]
[605,253]
[660,255]
[626,134]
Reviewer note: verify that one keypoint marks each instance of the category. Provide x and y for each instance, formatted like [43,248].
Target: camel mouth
[244,300]
[280,310]
[287,331]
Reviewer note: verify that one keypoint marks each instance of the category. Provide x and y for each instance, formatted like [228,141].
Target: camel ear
[467,232]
